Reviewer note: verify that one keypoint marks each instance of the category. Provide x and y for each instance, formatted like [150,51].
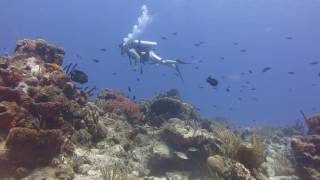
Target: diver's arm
[132,53]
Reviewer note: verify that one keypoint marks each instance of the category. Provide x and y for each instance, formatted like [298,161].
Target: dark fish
[134,98]
[114,73]
[235,43]
[242,73]
[239,98]
[291,72]
[164,74]
[78,56]
[266,69]
[289,38]
[228,89]
[222,58]
[247,82]
[164,38]
[138,79]
[196,44]
[200,61]
[212,81]
[243,50]
[201,87]
[319,74]
[174,33]
[129,89]
[192,57]
[253,89]
[79,76]
[196,67]
[314,63]
[250,71]
[103,49]
[96,60]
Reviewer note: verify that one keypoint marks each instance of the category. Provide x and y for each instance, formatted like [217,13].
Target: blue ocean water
[238,36]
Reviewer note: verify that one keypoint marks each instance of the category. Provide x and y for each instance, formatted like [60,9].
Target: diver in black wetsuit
[142,52]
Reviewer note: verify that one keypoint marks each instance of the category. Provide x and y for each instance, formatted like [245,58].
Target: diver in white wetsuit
[142,52]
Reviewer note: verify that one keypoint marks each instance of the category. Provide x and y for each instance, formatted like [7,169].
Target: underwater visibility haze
[160,84]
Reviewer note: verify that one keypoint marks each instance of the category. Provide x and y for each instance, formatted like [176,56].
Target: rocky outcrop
[222,168]
[162,108]
[32,148]
[306,150]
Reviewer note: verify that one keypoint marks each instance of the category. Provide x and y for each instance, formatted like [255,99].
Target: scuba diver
[142,52]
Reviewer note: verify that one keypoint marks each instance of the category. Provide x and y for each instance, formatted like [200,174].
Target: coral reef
[49,129]
[306,149]
[37,101]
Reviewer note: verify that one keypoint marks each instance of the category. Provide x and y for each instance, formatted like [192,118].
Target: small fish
[78,56]
[228,89]
[253,89]
[114,73]
[212,81]
[197,67]
[192,149]
[314,63]
[289,38]
[79,76]
[291,72]
[243,50]
[133,98]
[250,71]
[174,33]
[222,58]
[192,57]
[129,89]
[266,69]
[96,60]
[182,155]
[235,43]
[319,74]
[103,49]
[164,38]
[201,87]
[138,79]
